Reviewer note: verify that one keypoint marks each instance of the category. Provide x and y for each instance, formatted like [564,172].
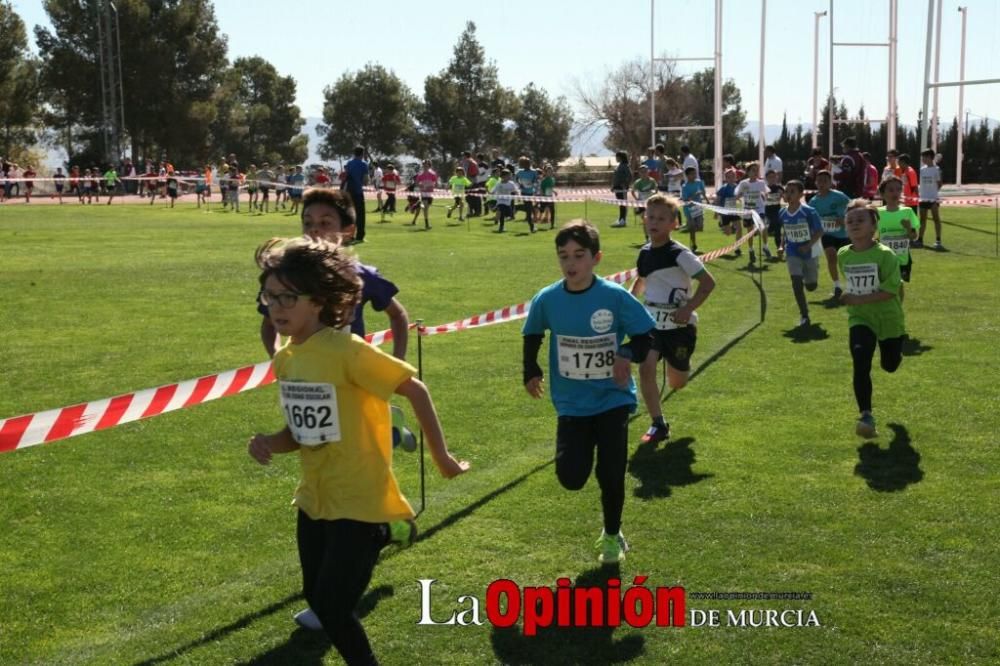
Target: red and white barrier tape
[55,424]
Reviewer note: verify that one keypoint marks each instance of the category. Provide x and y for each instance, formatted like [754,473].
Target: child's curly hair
[318,268]
[865,205]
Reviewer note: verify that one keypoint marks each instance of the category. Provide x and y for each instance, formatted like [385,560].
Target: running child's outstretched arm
[416,392]
[262,447]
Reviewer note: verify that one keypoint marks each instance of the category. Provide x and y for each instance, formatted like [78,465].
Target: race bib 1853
[310,410]
[586,358]
[862,279]
[797,232]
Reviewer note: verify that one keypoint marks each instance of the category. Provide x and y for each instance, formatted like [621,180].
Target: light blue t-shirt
[693,191]
[526,180]
[798,228]
[587,329]
[834,204]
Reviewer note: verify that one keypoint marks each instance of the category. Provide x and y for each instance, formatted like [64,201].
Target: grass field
[162,542]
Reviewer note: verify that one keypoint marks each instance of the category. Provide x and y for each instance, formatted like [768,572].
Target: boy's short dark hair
[337,199]
[849,142]
[660,148]
[359,151]
[769,172]
[318,268]
[893,152]
[769,147]
[690,170]
[905,157]
[927,153]
[685,148]
[796,184]
[621,156]
[729,157]
[581,231]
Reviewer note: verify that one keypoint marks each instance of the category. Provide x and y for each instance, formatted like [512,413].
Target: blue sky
[554,44]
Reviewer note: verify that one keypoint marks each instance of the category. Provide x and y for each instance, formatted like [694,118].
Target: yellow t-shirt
[349,476]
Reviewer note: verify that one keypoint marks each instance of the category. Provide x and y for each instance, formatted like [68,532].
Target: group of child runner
[335,388]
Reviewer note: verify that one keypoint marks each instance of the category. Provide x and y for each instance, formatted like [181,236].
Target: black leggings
[622,210]
[863,341]
[337,558]
[576,439]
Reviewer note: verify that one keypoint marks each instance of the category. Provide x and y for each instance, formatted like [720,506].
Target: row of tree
[464,108]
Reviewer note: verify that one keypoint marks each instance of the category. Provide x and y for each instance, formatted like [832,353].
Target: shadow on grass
[830,303]
[967,228]
[450,520]
[570,645]
[309,647]
[803,334]
[914,347]
[722,351]
[891,470]
[659,470]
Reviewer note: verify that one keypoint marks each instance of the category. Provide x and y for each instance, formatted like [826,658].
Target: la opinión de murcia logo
[601,606]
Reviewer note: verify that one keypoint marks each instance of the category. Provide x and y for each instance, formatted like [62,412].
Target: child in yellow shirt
[334,390]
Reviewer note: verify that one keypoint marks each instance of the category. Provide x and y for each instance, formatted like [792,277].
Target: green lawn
[163,542]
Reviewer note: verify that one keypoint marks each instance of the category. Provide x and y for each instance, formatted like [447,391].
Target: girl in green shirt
[874,308]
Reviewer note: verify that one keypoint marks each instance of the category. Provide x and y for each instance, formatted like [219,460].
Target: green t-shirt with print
[892,233]
[868,272]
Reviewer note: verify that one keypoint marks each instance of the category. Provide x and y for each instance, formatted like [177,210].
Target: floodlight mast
[716,58]
[891,114]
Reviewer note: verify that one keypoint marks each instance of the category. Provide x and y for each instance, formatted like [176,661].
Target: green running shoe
[401,435]
[403,532]
[612,546]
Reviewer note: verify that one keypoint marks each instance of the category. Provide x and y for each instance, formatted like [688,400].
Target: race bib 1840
[586,358]
[898,244]
[862,279]
[310,410]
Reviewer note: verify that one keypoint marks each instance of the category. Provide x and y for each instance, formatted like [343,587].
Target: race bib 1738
[586,358]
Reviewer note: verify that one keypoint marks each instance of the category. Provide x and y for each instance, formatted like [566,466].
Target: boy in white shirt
[930,184]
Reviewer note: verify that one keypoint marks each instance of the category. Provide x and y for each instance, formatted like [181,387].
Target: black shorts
[927,205]
[427,200]
[775,228]
[834,241]
[676,345]
[904,269]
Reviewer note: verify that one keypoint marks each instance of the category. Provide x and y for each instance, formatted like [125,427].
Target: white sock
[836,284]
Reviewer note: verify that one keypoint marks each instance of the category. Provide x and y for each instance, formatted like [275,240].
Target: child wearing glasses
[334,393]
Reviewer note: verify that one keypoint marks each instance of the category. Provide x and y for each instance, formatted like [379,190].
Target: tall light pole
[937,76]
[763,36]
[961,102]
[816,79]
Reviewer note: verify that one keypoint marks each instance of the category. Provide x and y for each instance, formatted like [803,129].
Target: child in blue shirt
[592,387]
[802,228]
[527,180]
[693,190]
